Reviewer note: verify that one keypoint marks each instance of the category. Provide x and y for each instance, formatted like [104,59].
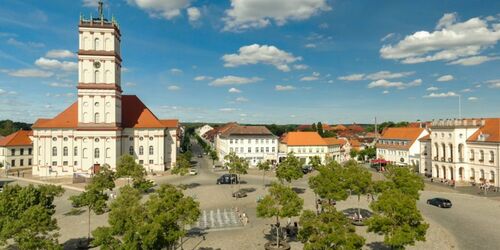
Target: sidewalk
[40,182]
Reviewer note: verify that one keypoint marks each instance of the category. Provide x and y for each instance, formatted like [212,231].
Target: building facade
[102,125]
[401,146]
[304,145]
[16,150]
[203,130]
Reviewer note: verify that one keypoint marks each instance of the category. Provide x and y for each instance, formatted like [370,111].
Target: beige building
[16,150]
[401,146]
[304,145]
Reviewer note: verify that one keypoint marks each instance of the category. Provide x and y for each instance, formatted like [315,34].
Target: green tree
[94,197]
[330,182]
[156,224]
[358,179]
[328,230]
[315,162]
[236,165]
[405,180]
[281,202]
[213,156]
[313,127]
[182,166]
[397,217]
[264,166]
[319,127]
[353,153]
[128,167]
[289,169]
[26,217]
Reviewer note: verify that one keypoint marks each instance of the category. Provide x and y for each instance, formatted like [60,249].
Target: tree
[353,153]
[281,202]
[315,162]
[358,180]
[405,180]
[328,230]
[94,197]
[330,182]
[236,165]
[213,156]
[397,217]
[182,166]
[264,166]
[156,224]
[313,127]
[127,167]
[26,216]
[319,127]
[289,169]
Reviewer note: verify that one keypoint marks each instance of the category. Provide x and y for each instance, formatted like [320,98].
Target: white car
[193,171]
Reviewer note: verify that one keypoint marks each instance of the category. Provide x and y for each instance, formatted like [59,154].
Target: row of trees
[207,149]
[8,127]
[395,213]
[365,154]
[323,133]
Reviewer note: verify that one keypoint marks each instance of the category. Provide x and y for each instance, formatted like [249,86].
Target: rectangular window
[21,152]
[256,149]
[13,163]
[242,150]
[54,163]
[249,141]
[273,149]
[151,161]
[29,162]
[236,149]
[230,149]
[65,163]
[262,149]
[235,141]
[267,149]
[141,162]
[13,151]
[230,141]
[249,150]
[21,162]
[30,151]
[75,163]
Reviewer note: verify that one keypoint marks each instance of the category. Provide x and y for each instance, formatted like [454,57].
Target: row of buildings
[460,150]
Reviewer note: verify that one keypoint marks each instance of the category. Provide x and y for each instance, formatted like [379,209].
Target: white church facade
[102,125]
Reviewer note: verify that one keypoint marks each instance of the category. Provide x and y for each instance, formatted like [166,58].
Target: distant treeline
[8,127]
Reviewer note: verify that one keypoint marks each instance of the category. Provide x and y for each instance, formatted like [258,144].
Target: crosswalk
[218,219]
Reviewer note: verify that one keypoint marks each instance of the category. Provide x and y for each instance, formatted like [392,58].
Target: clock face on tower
[97,64]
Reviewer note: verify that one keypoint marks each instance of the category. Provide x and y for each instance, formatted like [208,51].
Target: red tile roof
[490,132]
[339,127]
[246,130]
[19,138]
[403,134]
[134,115]
[333,141]
[354,143]
[303,139]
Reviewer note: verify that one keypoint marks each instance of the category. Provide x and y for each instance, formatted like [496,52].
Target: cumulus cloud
[384,74]
[284,87]
[250,14]
[313,77]
[300,66]
[175,71]
[167,9]
[493,83]
[385,92]
[472,98]
[445,78]
[474,60]
[60,53]
[227,110]
[35,73]
[310,45]
[441,95]
[241,99]
[233,80]
[432,89]
[203,78]
[173,88]
[234,90]
[265,54]
[54,64]
[382,83]
[193,14]
[450,41]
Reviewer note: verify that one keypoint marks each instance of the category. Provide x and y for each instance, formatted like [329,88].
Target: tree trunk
[277,232]
[88,235]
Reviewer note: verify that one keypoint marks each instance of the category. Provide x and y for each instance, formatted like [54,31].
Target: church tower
[99,72]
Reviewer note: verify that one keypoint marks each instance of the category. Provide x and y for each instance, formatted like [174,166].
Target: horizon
[338,62]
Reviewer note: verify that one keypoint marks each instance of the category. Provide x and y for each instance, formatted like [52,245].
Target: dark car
[307,169]
[439,202]
[228,179]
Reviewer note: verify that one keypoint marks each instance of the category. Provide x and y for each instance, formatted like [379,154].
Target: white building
[304,145]
[464,150]
[254,143]
[203,130]
[16,149]
[102,124]
[401,146]
[335,147]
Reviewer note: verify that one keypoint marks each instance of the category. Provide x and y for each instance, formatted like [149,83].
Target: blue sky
[260,61]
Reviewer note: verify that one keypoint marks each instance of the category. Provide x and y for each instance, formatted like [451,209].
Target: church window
[85,117]
[96,153]
[85,153]
[97,118]
[54,138]
[131,138]
[141,138]
[96,104]
[65,151]
[151,150]
[75,151]
[107,117]
[97,76]
[96,140]
[97,44]
[54,151]
[141,150]
[65,138]
[108,153]
[151,138]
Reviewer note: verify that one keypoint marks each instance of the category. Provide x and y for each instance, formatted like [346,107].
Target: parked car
[193,171]
[307,169]
[228,179]
[439,202]
[239,194]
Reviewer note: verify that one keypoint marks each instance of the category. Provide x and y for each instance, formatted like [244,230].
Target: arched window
[481,155]
[97,76]
[75,151]
[96,153]
[85,117]
[482,174]
[141,150]
[107,117]
[151,150]
[492,176]
[108,153]
[85,43]
[131,150]
[492,157]
[65,151]
[54,151]
[107,44]
[85,76]
[472,154]
[97,44]
[107,76]
[97,118]
[39,150]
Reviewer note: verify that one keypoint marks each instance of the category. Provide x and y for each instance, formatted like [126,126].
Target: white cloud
[284,87]
[61,85]
[313,77]
[266,54]
[228,110]
[35,73]
[445,78]
[233,80]
[54,64]
[241,99]
[388,36]
[234,90]
[382,83]
[203,78]
[493,83]
[60,53]
[249,14]
[383,74]
[90,3]
[432,89]
[385,92]
[300,66]
[14,42]
[173,88]
[472,98]
[310,45]
[167,9]
[466,90]
[450,41]
[193,14]
[441,95]
[175,71]
[474,60]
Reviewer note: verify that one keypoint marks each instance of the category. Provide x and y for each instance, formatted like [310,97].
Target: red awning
[379,161]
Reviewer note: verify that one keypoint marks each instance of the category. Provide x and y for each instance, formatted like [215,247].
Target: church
[102,125]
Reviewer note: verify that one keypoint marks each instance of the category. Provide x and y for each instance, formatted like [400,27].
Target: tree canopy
[289,169]
[26,216]
[330,182]
[128,167]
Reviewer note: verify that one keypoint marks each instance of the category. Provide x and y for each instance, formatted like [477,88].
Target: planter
[272,246]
